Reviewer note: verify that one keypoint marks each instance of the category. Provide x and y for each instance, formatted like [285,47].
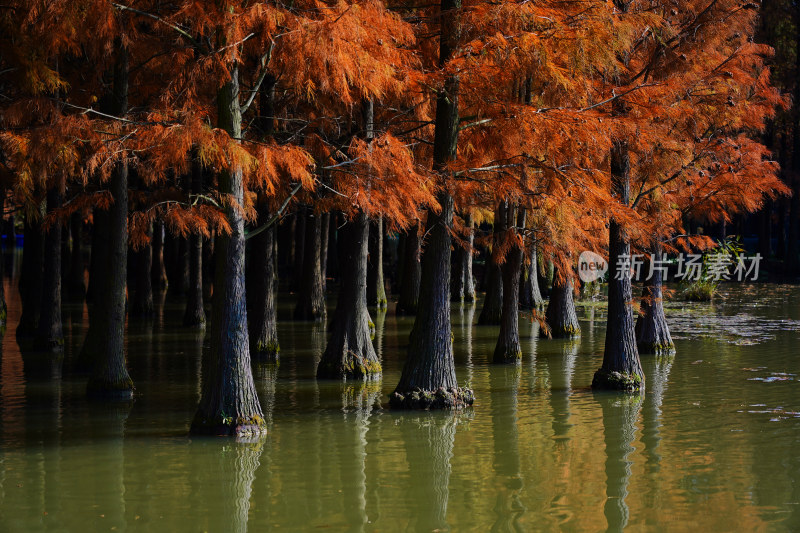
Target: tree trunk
[492,310]
[412,270]
[261,290]
[530,295]
[94,295]
[208,266]
[429,375]
[428,444]
[621,368]
[158,277]
[109,378]
[652,331]
[195,314]
[10,246]
[561,318]
[508,349]
[323,253]
[141,303]
[428,380]
[469,280]
[31,278]
[76,285]
[349,353]
[229,403]
[50,335]
[376,286]
[458,275]
[299,241]
[310,298]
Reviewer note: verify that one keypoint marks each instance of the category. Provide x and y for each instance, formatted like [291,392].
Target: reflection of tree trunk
[657,369]
[562,367]
[108,426]
[505,436]
[358,401]
[620,414]
[429,447]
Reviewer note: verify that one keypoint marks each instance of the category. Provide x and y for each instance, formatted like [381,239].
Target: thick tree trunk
[310,298]
[141,302]
[429,379]
[261,280]
[229,403]
[158,272]
[508,349]
[349,353]
[195,314]
[652,331]
[109,377]
[376,286]
[429,376]
[31,278]
[621,368]
[76,285]
[561,318]
[50,334]
[530,296]
[412,270]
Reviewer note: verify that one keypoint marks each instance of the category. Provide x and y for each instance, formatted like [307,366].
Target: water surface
[711,446]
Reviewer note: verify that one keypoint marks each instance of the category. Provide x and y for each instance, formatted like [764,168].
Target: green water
[711,446]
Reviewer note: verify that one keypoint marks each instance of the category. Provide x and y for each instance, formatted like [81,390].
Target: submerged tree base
[246,428]
[567,331]
[266,352]
[511,355]
[454,398]
[48,345]
[99,390]
[610,380]
[353,366]
[655,348]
